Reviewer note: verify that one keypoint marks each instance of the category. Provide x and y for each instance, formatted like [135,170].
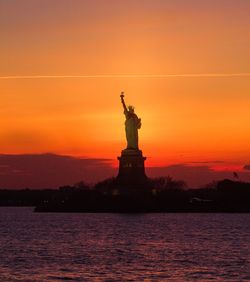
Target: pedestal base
[131,168]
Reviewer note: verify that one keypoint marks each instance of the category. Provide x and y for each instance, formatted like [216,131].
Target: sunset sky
[183,64]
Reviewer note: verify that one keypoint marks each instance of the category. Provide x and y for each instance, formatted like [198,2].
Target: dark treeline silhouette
[161,194]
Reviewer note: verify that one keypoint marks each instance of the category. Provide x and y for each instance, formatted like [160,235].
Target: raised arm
[123,103]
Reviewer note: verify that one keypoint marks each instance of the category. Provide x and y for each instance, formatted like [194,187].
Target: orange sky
[184,119]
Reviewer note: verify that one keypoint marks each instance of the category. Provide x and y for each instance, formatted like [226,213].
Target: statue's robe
[132,124]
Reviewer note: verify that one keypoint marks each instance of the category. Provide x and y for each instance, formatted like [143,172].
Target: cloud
[206,162]
[128,75]
[50,170]
[195,176]
[246,167]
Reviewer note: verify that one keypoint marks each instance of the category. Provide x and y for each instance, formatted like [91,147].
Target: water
[120,247]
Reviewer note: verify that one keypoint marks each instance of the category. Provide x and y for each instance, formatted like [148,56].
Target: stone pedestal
[131,168]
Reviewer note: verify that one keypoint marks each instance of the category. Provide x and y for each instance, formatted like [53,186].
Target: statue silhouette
[132,124]
[131,162]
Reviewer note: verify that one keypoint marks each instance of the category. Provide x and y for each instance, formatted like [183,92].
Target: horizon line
[128,75]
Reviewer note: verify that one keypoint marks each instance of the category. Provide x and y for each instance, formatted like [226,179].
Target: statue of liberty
[132,124]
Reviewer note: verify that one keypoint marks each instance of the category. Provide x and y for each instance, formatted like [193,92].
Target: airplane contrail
[128,75]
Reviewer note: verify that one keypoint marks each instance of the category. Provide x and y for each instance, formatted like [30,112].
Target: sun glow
[189,86]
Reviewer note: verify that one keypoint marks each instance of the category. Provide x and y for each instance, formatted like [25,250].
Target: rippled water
[120,247]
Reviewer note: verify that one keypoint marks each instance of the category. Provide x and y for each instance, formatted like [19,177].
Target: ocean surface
[123,247]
